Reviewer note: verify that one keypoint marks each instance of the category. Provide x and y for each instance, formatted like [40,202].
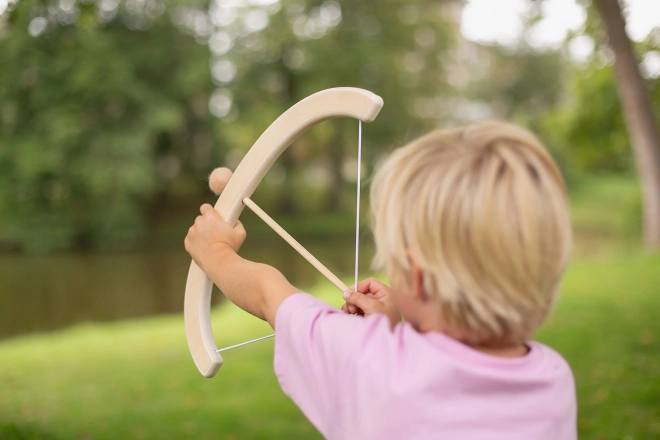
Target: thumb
[206,208]
[362,301]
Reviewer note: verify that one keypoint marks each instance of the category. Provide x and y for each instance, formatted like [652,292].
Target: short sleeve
[317,351]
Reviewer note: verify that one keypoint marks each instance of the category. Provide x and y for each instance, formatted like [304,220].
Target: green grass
[606,213]
[135,379]
[606,325]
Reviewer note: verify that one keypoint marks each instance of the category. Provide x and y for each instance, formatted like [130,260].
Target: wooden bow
[331,103]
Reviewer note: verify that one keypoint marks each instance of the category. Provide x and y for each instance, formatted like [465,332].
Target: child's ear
[416,279]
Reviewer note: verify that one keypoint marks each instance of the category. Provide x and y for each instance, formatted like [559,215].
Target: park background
[114,112]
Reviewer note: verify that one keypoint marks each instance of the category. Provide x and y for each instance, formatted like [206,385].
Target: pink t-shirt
[355,378]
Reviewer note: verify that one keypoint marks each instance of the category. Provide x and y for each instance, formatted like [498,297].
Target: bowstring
[357,207]
[245,343]
[357,234]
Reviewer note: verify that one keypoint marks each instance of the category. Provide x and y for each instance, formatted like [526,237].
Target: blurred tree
[269,55]
[102,105]
[587,129]
[105,105]
[638,114]
[520,85]
[570,100]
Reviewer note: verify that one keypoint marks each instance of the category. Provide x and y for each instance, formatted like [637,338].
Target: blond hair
[482,210]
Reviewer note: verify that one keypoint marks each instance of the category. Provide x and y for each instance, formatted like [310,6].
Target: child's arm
[257,288]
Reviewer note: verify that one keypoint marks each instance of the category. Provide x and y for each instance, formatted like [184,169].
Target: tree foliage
[572,104]
[104,107]
[97,113]
[397,49]
[587,125]
[109,108]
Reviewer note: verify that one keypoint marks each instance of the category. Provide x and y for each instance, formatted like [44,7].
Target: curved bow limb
[331,103]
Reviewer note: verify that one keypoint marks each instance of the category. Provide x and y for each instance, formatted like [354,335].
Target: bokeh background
[114,112]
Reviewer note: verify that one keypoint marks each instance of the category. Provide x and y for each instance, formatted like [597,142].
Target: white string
[357,208]
[245,343]
[357,234]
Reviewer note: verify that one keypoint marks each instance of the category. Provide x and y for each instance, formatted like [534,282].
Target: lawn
[135,379]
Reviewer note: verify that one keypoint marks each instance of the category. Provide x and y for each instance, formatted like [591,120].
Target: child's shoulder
[456,356]
[347,373]
[304,320]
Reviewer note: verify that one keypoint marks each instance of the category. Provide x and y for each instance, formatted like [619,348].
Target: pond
[42,293]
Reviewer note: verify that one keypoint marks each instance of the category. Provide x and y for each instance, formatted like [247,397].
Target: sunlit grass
[606,325]
[606,215]
[133,380]
[136,379]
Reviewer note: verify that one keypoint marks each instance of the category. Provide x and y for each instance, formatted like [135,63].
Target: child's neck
[508,352]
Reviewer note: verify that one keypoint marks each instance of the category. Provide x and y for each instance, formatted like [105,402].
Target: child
[472,228]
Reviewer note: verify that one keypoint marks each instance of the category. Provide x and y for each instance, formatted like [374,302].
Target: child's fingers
[374,288]
[350,309]
[370,285]
[363,286]
[240,231]
[206,208]
[361,301]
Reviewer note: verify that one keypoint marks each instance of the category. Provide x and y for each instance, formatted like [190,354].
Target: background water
[41,293]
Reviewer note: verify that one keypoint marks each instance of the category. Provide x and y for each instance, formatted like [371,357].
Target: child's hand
[211,235]
[372,296]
